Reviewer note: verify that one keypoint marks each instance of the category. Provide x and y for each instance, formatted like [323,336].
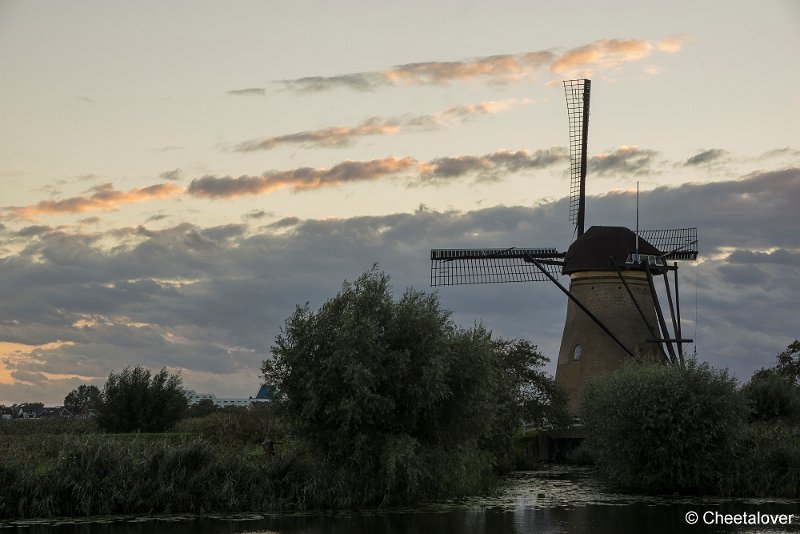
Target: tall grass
[767,463]
[93,474]
[219,463]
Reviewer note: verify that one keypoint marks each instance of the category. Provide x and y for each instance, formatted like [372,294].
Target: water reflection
[556,500]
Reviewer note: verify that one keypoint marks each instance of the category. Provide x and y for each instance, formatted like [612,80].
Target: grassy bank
[218,463]
[95,474]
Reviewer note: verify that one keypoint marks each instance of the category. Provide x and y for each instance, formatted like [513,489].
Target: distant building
[28,410]
[193,398]
[264,395]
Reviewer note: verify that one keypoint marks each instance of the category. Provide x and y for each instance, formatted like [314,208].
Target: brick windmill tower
[614,310]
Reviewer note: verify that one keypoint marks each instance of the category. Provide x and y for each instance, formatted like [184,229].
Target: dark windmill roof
[600,247]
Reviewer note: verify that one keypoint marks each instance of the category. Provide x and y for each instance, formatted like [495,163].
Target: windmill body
[613,311]
[592,263]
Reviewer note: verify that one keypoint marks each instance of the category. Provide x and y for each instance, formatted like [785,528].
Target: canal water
[553,500]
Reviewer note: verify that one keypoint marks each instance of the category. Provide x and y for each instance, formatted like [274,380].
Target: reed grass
[95,474]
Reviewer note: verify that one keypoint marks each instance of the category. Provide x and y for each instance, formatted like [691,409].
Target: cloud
[705,157]
[671,45]
[362,81]
[437,172]
[103,198]
[34,230]
[286,222]
[301,179]
[780,153]
[498,68]
[471,111]
[173,175]
[490,166]
[210,301]
[256,214]
[336,136]
[627,159]
[89,220]
[250,91]
[169,148]
[342,136]
[603,54]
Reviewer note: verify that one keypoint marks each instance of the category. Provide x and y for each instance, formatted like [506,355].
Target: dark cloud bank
[212,299]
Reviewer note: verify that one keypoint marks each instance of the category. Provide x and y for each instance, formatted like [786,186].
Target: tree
[789,362]
[201,408]
[663,429]
[394,399]
[136,400]
[772,395]
[82,399]
[532,393]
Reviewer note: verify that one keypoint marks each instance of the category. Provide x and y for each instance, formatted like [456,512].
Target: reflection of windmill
[613,310]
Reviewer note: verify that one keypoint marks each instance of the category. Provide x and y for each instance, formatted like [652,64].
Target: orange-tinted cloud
[336,136]
[671,45]
[302,179]
[579,61]
[103,198]
[500,68]
[603,54]
[341,136]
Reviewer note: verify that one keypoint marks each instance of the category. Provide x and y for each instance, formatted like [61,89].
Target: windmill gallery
[614,311]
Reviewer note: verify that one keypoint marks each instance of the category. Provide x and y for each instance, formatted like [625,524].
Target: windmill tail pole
[587,88]
[579,304]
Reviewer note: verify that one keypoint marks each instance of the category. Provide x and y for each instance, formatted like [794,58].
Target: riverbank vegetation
[663,429]
[393,403]
[381,401]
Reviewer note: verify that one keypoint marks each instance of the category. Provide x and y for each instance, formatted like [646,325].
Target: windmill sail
[578,93]
[452,267]
[674,243]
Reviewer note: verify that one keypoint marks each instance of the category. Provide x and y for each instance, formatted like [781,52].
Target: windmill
[614,311]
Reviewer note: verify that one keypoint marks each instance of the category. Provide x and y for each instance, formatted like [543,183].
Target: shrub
[772,396]
[234,426]
[659,428]
[82,399]
[136,400]
[396,403]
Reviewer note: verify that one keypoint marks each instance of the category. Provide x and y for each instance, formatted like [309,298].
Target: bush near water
[664,429]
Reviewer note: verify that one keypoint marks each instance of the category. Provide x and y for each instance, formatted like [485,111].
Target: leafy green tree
[82,399]
[663,429]
[789,362]
[395,400]
[532,393]
[772,395]
[137,400]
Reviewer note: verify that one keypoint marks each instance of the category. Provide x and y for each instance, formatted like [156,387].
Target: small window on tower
[576,354]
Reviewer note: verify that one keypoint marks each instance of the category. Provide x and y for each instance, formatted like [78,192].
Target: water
[555,500]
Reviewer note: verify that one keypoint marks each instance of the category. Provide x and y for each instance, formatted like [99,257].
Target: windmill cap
[601,247]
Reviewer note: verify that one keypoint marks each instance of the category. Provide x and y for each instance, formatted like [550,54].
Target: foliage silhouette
[137,400]
[82,399]
[396,403]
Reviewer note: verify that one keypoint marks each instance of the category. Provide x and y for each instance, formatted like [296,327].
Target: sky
[178,176]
